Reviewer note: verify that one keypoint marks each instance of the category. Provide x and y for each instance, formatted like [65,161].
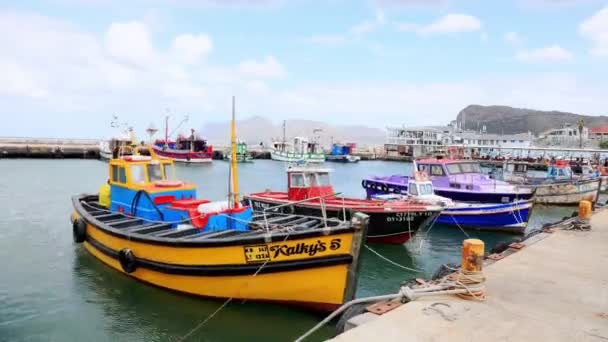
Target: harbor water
[52,290]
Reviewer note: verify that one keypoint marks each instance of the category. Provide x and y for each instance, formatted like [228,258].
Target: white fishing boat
[302,150]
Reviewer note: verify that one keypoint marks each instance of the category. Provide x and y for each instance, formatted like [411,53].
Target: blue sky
[67,66]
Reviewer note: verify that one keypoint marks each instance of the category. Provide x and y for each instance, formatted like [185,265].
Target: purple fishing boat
[459,180]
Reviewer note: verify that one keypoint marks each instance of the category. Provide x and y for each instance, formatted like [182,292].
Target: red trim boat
[310,193]
[190,149]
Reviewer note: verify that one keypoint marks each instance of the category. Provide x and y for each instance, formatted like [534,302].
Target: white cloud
[553,53]
[130,42]
[595,29]
[449,23]
[267,68]
[513,38]
[328,39]
[189,49]
[370,25]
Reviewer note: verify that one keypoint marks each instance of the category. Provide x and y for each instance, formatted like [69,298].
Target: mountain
[257,129]
[509,120]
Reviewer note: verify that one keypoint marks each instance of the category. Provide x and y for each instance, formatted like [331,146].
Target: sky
[68,66]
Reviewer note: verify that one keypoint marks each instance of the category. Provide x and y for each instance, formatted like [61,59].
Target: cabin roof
[445,161]
[307,169]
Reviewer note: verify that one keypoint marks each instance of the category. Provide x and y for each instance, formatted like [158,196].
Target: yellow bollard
[472,255]
[584,209]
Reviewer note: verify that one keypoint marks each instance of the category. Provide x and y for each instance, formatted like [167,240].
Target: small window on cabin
[138,174]
[311,179]
[436,170]
[122,175]
[168,171]
[154,172]
[297,180]
[323,179]
[114,173]
[413,189]
[511,167]
[423,167]
[453,169]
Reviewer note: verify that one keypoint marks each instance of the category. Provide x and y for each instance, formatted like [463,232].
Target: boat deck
[273,226]
[349,203]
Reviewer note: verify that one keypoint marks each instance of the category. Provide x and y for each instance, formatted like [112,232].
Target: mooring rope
[391,261]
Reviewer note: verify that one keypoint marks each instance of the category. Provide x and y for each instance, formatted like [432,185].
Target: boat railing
[320,198]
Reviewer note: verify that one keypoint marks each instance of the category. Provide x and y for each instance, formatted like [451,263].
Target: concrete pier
[554,289]
[20,147]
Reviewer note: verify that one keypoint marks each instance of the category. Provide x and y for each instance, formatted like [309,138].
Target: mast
[283,147]
[233,161]
[167,131]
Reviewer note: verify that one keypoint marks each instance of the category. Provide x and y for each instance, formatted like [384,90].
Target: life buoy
[79,230]
[127,260]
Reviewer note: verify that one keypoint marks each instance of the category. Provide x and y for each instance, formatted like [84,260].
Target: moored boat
[459,180]
[559,186]
[242,153]
[192,149]
[310,193]
[152,227]
[342,153]
[508,217]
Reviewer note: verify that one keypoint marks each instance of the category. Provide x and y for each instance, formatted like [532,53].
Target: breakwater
[22,147]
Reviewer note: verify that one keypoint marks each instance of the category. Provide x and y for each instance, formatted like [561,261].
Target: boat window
[323,179]
[510,168]
[413,189]
[470,168]
[521,168]
[423,167]
[168,171]
[138,174]
[297,180]
[122,175]
[453,169]
[114,173]
[154,172]
[437,170]
[426,189]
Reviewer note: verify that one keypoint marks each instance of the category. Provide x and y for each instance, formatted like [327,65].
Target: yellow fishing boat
[152,227]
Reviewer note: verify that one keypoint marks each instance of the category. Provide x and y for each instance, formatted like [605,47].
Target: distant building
[565,136]
[599,133]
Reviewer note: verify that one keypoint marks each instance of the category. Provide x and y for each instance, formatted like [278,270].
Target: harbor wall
[22,147]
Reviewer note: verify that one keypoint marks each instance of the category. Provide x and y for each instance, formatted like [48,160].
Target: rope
[468,286]
[391,261]
[198,326]
[459,227]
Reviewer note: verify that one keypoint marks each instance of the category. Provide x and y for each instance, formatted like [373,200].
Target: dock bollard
[470,276]
[584,209]
[472,255]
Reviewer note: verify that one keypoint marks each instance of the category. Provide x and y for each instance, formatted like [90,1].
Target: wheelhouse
[304,183]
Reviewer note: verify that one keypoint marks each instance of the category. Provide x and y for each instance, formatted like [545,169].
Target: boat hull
[567,193]
[295,157]
[384,226]
[184,156]
[313,270]
[374,187]
[509,217]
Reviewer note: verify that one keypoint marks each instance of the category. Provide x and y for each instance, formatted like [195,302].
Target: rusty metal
[383,307]
[496,256]
[517,245]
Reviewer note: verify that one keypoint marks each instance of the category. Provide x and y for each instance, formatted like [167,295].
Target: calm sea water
[51,289]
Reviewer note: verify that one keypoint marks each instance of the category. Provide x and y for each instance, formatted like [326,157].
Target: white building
[565,136]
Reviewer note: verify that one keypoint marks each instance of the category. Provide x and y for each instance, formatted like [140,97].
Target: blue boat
[342,153]
[508,217]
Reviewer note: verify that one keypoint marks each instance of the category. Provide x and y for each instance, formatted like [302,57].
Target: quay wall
[22,147]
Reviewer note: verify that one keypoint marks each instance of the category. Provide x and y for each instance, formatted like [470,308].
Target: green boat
[242,153]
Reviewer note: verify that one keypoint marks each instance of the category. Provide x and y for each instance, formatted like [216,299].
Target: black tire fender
[127,259]
[79,230]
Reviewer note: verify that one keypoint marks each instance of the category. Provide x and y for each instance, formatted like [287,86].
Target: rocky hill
[509,120]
